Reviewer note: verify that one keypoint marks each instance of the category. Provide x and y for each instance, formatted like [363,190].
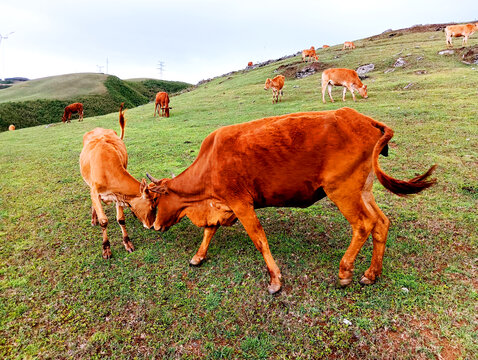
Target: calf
[11,127]
[162,101]
[70,109]
[249,63]
[466,31]
[103,163]
[276,84]
[348,45]
[342,77]
[310,54]
[291,160]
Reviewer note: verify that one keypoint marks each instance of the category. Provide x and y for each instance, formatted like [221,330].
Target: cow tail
[398,187]
[122,121]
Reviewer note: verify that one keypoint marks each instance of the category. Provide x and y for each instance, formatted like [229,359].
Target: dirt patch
[299,69]
[414,29]
[469,55]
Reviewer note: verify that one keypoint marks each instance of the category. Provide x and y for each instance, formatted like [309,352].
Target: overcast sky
[195,39]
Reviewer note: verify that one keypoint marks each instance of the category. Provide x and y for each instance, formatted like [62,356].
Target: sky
[194,40]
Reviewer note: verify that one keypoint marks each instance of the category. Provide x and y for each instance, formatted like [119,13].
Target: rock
[388,71]
[365,69]
[446,52]
[408,86]
[347,322]
[405,290]
[421,72]
[400,62]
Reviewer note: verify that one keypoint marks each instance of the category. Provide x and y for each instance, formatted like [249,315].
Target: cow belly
[302,199]
[109,198]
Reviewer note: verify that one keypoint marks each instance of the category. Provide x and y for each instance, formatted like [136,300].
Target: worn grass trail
[60,299]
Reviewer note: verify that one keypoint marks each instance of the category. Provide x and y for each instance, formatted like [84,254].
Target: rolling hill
[41,101]
[60,299]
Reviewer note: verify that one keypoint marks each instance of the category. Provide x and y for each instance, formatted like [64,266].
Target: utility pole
[160,68]
[1,38]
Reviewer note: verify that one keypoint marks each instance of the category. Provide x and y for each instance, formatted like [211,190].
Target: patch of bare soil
[300,69]
[414,29]
[469,55]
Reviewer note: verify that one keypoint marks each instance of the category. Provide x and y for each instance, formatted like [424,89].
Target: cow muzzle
[160,228]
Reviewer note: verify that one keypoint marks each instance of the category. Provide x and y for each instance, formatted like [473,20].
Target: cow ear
[143,189]
[160,189]
[365,87]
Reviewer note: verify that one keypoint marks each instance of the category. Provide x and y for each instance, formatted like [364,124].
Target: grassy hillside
[60,299]
[42,101]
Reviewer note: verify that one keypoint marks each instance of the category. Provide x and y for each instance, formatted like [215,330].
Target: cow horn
[152,178]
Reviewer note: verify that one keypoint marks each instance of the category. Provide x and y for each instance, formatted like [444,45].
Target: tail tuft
[122,120]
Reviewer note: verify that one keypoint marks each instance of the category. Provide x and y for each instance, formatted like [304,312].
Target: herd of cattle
[290,160]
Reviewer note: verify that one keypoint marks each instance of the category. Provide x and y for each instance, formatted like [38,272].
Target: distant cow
[162,101]
[11,127]
[276,84]
[70,109]
[348,45]
[325,46]
[291,160]
[249,63]
[310,54]
[103,163]
[342,77]
[466,31]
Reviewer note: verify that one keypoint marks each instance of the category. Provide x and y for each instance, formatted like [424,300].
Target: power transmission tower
[1,38]
[160,68]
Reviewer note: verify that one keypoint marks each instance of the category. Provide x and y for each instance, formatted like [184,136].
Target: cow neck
[190,189]
[130,187]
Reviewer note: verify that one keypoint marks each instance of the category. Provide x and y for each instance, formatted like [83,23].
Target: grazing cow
[70,109]
[466,31]
[291,160]
[11,127]
[310,54]
[325,46]
[162,100]
[348,45]
[103,162]
[249,63]
[276,84]
[342,77]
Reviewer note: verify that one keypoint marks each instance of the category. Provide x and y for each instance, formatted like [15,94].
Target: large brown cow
[70,109]
[162,102]
[466,31]
[347,78]
[11,127]
[310,54]
[276,84]
[348,45]
[103,163]
[289,160]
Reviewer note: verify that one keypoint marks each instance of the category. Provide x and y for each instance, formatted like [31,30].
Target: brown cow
[11,127]
[249,63]
[70,109]
[343,77]
[162,101]
[103,162]
[325,46]
[310,54]
[276,84]
[290,160]
[348,45]
[466,31]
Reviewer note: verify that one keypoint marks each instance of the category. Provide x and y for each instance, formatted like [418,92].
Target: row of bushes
[132,93]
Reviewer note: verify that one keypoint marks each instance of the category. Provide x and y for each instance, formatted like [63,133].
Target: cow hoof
[345,282]
[107,254]
[274,288]
[365,281]
[196,262]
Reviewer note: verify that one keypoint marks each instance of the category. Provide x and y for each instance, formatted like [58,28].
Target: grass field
[60,299]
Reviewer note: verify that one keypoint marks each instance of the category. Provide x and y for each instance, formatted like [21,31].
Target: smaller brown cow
[70,109]
[11,127]
[466,31]
[325,47]
[310,54]
[162,100]
[348,45]
[342,77]
[103,163]
[249,63]
[276,84]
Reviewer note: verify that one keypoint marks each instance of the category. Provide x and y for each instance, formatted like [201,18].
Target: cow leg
[362,220]
[465,40]
[155,108]
[343,93]
[94,217]
[324,87]
[248,218]
[279,93]
[351,91]
[103,220]
[128,245]
[209,232]
[329,90]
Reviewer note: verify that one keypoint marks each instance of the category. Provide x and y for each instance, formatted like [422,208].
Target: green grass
[60,299]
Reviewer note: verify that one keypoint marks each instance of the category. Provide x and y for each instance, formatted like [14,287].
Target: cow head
[363,91]
[167,213]
[268,83]
[144,206]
